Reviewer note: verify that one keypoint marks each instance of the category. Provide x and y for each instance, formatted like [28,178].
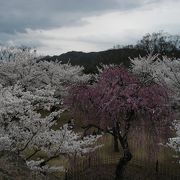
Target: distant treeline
[156,43]
[93,59]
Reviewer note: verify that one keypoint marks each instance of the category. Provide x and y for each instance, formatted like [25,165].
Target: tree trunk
[127,156]
[115,136]
[123,139]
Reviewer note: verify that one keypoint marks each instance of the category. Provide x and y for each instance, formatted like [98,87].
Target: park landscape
[117,122]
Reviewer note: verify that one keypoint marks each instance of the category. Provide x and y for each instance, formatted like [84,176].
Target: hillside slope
[92,59]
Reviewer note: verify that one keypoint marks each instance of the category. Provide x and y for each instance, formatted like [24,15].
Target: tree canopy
[117,99]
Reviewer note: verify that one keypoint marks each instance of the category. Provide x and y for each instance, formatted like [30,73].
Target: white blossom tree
[165,71]
[31,72]
[175,141]
[10,53]
[28,85]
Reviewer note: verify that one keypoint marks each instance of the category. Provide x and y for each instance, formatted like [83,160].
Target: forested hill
[92,59]
[159,43]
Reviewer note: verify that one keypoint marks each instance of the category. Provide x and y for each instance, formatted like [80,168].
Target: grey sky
[56,26]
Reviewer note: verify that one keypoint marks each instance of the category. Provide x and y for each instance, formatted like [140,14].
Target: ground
[13,167]
[132,172]
[102,163]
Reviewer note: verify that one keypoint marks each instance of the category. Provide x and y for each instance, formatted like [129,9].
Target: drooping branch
[128,121]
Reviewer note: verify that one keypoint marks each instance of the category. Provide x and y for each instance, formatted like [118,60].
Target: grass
[140,165]
[144,156]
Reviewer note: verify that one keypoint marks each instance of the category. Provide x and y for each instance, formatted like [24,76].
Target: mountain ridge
[92,59]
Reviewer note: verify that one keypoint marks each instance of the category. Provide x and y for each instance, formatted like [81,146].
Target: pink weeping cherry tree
[117,100]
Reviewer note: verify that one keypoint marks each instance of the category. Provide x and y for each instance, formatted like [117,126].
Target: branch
[127,125]
[34,134]
[47,160]
[30,156]
[95,126]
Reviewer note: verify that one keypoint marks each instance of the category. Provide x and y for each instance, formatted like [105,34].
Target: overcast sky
[58,26]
